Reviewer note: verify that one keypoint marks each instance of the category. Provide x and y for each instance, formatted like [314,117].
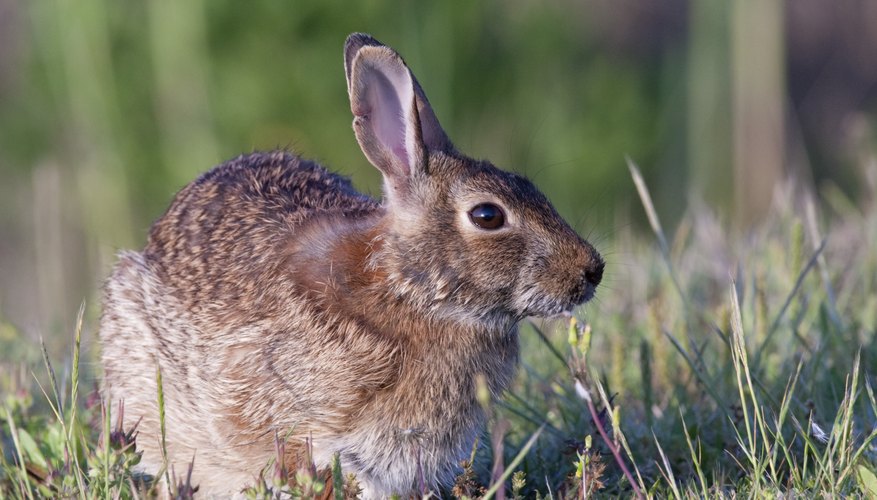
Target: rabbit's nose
[588,279]
[594,272]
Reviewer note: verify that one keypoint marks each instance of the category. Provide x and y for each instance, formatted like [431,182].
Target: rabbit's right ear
[394,123]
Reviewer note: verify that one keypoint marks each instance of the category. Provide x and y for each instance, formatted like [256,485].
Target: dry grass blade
[72,438]
[646,200]
[23,481]
[57,407]
[749,404]
[161,420]
[667,470]
[655,223]
[635,483]
[511,466]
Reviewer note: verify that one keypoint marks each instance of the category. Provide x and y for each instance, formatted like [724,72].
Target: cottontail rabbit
[278,300]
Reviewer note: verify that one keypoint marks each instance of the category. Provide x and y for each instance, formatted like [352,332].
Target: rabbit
[279,302]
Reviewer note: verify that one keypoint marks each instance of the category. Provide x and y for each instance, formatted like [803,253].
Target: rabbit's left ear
[394,123]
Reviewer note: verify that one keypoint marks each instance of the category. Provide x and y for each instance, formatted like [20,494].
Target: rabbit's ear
[394,124]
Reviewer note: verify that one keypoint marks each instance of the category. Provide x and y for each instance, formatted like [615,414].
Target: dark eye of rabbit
[487,216]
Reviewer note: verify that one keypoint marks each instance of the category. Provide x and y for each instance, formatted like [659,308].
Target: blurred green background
[108,107]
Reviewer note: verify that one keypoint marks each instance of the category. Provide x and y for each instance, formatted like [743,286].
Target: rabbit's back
[222,242]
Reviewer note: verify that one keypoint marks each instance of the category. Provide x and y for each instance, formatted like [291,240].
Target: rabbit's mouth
[583,292]
[549,307]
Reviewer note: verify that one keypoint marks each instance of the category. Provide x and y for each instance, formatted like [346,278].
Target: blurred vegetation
[107,108]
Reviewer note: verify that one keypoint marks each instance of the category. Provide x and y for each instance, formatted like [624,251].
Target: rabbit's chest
[428,421]
[436,391]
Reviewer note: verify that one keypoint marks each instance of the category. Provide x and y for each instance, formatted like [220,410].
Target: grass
[715,363]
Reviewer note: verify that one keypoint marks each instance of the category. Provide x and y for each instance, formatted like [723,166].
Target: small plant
[61,454]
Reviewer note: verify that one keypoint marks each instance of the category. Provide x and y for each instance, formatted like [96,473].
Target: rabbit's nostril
[594,273]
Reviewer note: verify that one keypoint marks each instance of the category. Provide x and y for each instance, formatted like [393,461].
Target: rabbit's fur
[277,300]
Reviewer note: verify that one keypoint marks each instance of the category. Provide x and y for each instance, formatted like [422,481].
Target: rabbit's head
[462,238]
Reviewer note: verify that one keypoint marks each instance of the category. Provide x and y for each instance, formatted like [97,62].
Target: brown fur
[274,297]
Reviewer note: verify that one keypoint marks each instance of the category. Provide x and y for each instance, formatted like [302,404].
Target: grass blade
[24,481]
[654,222]
[511,466]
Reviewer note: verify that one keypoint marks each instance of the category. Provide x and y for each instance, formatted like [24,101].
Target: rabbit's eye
[487,216]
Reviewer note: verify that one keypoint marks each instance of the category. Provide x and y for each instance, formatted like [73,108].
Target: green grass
[714,363]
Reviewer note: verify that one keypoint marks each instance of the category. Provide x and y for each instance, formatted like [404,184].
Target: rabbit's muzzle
[590,277]
[564,277]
